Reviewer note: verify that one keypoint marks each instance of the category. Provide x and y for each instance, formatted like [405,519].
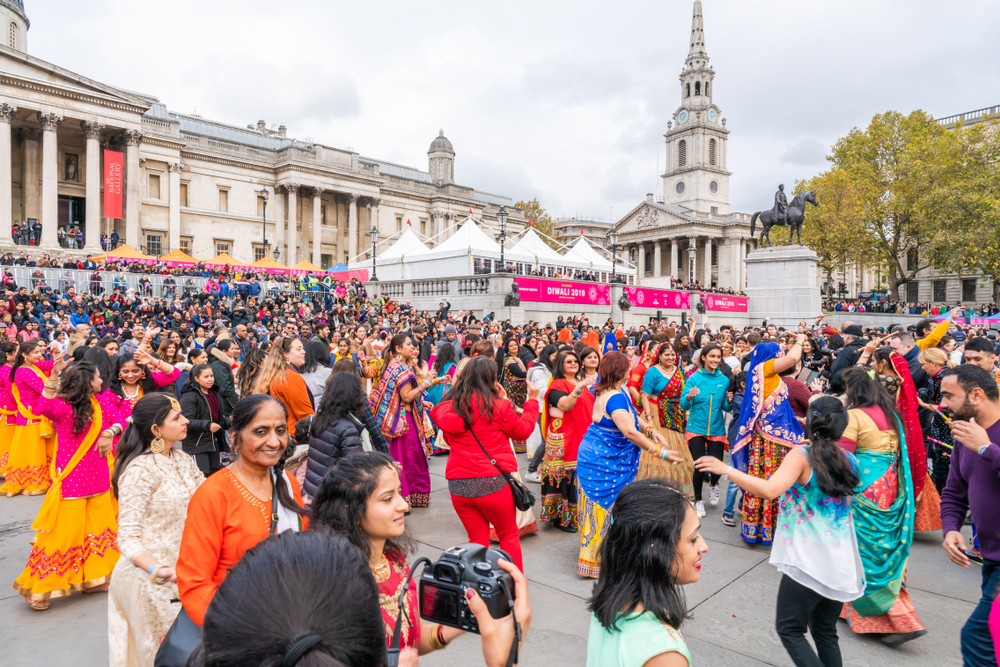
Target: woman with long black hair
[154,482]
[815,546]
[28,469]
[136,375]
[8,406]
[335,431]
[201,404]
[77,519]
[315,371]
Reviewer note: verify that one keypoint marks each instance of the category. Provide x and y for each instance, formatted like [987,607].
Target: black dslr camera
[443,586]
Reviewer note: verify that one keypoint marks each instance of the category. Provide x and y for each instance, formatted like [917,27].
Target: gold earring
[158,444]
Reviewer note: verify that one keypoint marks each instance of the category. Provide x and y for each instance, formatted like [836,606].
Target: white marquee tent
[544,256]
[392,260]
[582,251]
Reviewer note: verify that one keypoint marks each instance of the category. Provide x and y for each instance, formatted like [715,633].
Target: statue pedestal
[783,284]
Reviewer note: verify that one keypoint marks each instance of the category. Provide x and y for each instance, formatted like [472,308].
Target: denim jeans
[977,643]
[730,499]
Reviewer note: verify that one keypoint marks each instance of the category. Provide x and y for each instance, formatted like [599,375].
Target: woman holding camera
[478,426]
[361,499]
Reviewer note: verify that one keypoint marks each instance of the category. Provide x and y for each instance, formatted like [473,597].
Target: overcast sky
[564,101]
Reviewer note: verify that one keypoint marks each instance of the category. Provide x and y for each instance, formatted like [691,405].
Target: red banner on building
[114,176]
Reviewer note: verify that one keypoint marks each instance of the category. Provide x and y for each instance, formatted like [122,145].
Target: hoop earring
[157,445]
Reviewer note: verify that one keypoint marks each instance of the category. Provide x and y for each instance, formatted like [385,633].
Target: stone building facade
[691,233]
[568,230]
[200,185]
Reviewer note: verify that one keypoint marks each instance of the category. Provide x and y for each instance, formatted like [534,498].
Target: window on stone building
[399,223]
[688,90]
[715,255]
[184,194]
[186,244]
[224,201]
[940,290]
[12,41]
[347,258]
[154,244]
[911,260]
[715,209]
[697,87]
[682,153]
[154,186]
[222,246]
[325,261]
[912,290]
[423,227]
[322,215]
[649,261]
[260,206]
[711,151]
[259,251]
[968,289]
[706,88]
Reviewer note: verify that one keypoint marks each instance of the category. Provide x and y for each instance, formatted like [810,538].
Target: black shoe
[565,529]
[897,639]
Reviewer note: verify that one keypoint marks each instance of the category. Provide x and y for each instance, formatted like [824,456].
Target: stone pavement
[732,607]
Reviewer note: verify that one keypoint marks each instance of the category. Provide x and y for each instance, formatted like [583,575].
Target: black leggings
[799,609]
[697,446]
[208,462]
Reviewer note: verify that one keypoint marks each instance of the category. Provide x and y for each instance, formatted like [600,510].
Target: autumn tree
[541,220]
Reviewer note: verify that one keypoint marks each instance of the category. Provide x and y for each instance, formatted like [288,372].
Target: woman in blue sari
[768,429]
[608,458]
[884,509]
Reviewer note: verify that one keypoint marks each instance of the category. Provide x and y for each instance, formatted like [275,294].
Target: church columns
[735,263]
[292,255]
[50,179]
[673,258]
[32,175]
[642,260]
[132,138]
[92,234]
[279,222]
[174,211]
[6,173]
[706,280]
[317,232]
[352,226]
[656,259]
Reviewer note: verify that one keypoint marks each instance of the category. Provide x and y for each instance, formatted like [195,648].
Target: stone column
[317,224]
[673,258]
[437,226]
[279,222]
[6,173]
[292,254]
[50,179]
[706,281]
[642,261]
[352,226]
[174,210]
[32,176]
[374,215]
[132,139]
[656,259]
[734,263]
[92,233]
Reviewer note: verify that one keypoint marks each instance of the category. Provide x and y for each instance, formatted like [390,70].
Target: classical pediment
[24,77]
[649,216]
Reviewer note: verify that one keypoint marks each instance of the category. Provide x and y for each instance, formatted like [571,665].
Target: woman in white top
[316,369]
[815,546]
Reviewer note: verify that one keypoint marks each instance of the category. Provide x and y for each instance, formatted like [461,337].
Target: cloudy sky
[564,101]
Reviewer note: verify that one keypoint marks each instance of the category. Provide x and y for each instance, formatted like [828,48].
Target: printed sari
[404,431]
[669,420]
[562,440]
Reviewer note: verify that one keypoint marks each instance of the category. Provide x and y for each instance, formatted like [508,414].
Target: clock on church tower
[696,175]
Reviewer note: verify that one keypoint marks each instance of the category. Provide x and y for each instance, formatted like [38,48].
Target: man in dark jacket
[221,360]
[854,342]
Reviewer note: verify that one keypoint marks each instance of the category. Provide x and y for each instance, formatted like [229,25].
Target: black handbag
[184,636]
[523,498]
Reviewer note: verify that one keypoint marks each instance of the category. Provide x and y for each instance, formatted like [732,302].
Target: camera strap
[393,651]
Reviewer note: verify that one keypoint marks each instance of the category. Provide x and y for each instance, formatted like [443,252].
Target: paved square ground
[732,606]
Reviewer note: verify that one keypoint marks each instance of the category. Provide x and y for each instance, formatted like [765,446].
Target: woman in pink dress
[8,407]
[136,375]
[33,445]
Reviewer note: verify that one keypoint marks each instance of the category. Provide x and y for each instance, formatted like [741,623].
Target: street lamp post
[502,219]
[613,237]
[276,253]
[374,234]
[691,253]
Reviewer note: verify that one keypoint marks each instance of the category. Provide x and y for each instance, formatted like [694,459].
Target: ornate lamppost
[374,234]
[691,253]
[613,246]
[502,237]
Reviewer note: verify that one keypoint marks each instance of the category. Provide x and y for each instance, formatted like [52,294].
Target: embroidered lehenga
[665,397]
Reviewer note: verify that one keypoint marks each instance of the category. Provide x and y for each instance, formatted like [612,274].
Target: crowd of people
[256,456]
[870,305]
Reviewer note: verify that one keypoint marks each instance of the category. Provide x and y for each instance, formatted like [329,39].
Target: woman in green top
[636,611]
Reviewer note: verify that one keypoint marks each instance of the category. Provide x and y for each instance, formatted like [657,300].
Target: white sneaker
[699,507]
[535,477]
[713,495]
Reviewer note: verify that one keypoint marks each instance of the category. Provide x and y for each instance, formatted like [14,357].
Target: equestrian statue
[783,213]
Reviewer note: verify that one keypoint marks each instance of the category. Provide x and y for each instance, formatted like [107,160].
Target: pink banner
[558,291]
[724,302]
[345,276]
[644,297]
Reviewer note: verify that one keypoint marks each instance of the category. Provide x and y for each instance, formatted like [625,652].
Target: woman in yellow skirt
[30,452]
[662,388]
[8,407]
[77,543]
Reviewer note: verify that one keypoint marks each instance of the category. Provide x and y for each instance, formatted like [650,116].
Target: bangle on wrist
[153,569]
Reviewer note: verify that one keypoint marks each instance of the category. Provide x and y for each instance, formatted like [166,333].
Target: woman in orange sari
[567,414]
[30,453]
[8,406]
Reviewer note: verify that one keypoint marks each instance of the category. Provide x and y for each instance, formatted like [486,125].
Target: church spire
[697,33]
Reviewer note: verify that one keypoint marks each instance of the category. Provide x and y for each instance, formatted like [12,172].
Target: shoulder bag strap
[492,460]
[274,499]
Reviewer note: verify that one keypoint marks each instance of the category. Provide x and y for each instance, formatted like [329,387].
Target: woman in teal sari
[884,509]
[608,458]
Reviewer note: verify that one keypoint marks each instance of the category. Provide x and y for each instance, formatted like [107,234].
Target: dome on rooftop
[441,144]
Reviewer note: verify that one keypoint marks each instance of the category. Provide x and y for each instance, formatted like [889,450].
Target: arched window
[682,153]
[697,87]
[706,88]
[711,151]
[12,40]
[688,86]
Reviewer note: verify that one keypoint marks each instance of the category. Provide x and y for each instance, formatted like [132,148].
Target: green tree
[541,220]
[898,172]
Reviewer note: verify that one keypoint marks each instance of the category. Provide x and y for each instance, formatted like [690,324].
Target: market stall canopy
[470,239]
[532,244]
[581,251]
[124,252]
[305,266]
[176,257]
[407,244]
[225,259]
[269,265]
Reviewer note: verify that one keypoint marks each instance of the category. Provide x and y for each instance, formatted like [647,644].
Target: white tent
[406,245]
[532,244]
[582,251]
[391,260]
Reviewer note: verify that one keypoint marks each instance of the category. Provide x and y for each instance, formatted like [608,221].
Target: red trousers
[498,509]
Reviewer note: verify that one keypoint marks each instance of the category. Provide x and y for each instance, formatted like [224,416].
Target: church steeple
[696,77]
[697,34]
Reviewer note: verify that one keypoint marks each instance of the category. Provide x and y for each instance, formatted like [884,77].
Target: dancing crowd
[236,471]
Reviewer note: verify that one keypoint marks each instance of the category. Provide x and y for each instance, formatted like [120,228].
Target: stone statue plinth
[783,284]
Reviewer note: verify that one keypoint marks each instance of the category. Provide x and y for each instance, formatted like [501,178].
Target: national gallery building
[198,185]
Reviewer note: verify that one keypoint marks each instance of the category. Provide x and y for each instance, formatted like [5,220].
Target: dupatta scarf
[771,416]
[573,424]
[386,403]
[669,401]
[906,402]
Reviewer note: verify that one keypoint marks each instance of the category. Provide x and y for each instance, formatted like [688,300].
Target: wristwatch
[984,448]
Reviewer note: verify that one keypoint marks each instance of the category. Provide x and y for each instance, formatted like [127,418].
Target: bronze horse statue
[794,218]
